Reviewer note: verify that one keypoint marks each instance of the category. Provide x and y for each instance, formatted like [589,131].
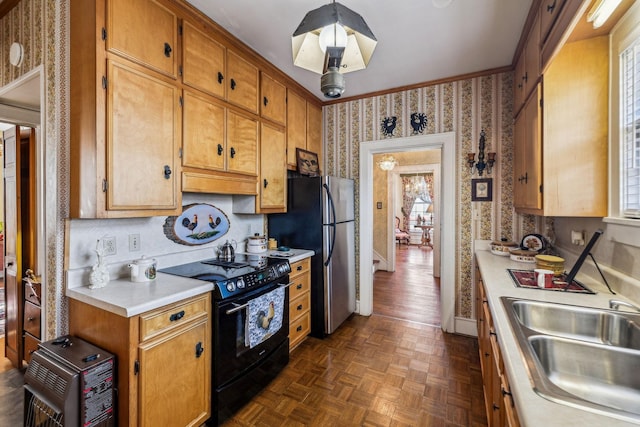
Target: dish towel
[264,317]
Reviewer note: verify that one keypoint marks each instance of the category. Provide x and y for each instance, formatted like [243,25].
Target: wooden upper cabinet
[532,59]
[143,31]
[203,135]
[296,126]
[314,131]
[242,143]
[203,61]
[242,82]
[273,169]
[142,140]
[273,99]
[549,11]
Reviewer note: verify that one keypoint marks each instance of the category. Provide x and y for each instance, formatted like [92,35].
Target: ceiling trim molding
[424,84]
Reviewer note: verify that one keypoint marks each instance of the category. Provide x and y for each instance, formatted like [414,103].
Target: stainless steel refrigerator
[320,217]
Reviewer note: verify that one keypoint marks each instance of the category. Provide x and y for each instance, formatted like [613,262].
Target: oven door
[234,351]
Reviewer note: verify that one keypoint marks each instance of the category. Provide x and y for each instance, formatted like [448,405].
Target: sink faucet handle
[615,304]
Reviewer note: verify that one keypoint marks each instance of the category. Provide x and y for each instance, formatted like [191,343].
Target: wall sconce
[481,165]
[387,162]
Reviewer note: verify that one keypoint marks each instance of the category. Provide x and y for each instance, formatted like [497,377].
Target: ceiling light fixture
[601,11]
[332,40]
[387,162]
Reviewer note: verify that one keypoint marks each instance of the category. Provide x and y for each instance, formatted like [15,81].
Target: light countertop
[534,410]
[127,299]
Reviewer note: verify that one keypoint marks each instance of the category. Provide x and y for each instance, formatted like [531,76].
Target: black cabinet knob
[220,77]
[167,172]
[233,152]
[167,50]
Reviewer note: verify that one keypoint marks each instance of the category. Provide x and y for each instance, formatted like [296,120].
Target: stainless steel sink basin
[581,357]
[620,329]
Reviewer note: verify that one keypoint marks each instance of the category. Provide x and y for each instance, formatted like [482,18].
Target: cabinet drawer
[32,292]
[299,285]
[32,319]
[299,306]
[165,319]
[298,329]
[300,267]
[30,345]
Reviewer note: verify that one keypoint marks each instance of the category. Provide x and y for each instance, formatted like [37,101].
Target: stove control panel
[237,285]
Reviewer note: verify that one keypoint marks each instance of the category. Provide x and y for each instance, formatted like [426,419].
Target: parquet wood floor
[394,368]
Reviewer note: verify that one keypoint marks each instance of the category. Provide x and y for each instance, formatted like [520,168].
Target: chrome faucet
[615,305]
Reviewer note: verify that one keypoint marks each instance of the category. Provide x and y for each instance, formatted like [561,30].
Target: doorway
[446,143]
[23,215]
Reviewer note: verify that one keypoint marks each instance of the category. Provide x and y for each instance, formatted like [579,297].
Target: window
[630,130]
[420,209]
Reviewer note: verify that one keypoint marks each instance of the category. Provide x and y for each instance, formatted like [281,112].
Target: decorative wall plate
[532,242]
[200,223]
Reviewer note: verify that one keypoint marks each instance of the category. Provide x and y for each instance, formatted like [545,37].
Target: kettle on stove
[226,252]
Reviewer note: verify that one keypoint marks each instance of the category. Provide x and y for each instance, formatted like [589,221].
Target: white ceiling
[418,40]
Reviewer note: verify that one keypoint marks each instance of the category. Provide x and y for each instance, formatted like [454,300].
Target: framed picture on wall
[307,162]
[481,190]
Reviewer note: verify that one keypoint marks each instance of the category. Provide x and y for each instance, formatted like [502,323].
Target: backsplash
[84,233]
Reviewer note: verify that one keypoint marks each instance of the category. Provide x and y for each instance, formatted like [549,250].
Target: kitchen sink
[582,357]
[620,329]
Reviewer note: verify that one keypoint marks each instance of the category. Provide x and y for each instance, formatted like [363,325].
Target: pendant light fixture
[332,40]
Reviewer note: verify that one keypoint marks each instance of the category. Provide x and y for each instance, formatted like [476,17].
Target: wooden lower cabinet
[499,404]
[163,359]
[299,302]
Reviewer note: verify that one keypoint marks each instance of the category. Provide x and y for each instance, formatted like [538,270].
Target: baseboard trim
[466,326]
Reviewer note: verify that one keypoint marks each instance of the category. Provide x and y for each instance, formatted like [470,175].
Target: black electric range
[233,278]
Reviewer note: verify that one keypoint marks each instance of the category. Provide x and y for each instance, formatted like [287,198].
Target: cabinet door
[519,149]
[549,11]
[273,99]
[296,126]
[273,168]
[518,84]
[242,143]
[143,31]
[174,384]
[242,89]
[314,131]
[203,61]
[203,132]
[532,58]
[533,152]
[142,140]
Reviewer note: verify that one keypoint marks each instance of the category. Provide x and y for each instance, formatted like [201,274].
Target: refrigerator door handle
[331,224]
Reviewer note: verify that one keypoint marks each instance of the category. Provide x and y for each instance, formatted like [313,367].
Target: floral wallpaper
[464,107]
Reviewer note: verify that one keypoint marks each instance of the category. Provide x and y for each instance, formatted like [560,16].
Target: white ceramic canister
[256,244]
[143,269]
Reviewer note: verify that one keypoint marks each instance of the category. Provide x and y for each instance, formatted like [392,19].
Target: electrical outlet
[109,245]
[134,242]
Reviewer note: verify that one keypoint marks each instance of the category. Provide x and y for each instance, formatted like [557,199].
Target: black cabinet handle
[265,101]
[552,6]
[233,84]
[167,172]
[299,328]
[299,268]
[219,149]
[199,349]
[505,392]
[233,152]
[167,50]
[496,407]
[176,316]
[299,307]
[265,183]
[299,286]
[220,77]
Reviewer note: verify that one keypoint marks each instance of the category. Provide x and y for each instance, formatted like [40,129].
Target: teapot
[143,269]
[226,252]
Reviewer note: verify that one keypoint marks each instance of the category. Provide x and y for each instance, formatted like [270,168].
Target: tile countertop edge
[128,299]
[534,410]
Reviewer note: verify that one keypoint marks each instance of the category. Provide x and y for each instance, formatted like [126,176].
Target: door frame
[17,106]
[446,142]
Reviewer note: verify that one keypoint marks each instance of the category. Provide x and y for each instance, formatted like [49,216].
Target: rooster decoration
[191,225]
[389,125]
[214,224]
[418,122]
[264,319]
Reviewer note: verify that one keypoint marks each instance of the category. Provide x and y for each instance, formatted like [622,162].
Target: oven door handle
[285,285]
[237,307]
